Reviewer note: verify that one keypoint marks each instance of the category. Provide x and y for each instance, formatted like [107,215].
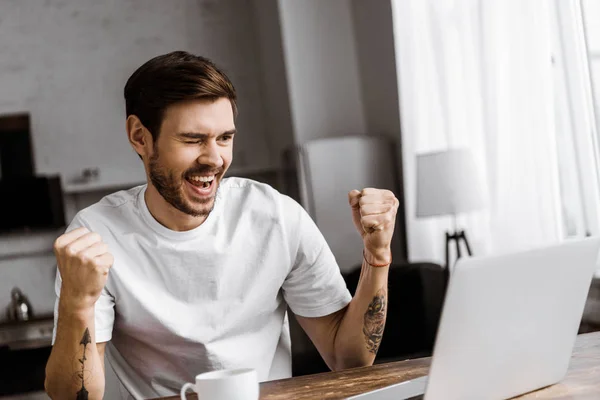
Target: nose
[211,156]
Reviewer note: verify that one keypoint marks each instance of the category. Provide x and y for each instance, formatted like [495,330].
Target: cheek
[181,159]
[227,155]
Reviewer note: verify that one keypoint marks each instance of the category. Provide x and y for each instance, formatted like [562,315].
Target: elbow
[349,355]
[342,363]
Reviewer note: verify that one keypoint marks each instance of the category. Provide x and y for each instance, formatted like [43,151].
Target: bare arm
[351,336]
[75,368]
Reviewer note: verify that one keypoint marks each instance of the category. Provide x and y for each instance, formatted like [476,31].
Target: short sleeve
[104,309]
[314,286]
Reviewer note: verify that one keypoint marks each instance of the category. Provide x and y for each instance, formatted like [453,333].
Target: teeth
[202,178]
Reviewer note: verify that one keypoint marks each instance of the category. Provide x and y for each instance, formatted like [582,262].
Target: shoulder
[236,189]
[253,195]
[110,208]
[243,185]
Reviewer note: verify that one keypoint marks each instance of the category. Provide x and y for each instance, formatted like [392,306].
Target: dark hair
[169,79]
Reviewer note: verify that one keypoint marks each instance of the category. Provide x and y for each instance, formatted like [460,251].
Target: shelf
[77,188]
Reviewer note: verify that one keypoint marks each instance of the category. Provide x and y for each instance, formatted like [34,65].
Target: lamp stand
[457,237]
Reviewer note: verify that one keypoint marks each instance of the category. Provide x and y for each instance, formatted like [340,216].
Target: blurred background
[479,114]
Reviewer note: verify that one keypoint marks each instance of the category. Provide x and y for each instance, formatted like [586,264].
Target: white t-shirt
[177,304]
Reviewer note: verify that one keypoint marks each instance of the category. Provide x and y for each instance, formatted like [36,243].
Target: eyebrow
[198,135]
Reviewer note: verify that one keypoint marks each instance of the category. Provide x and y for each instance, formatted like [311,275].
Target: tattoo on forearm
[82,394]
[374,321]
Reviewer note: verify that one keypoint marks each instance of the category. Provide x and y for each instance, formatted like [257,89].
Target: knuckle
[70,251]
[98,264]
[57,246]
[94,237]
[107,260]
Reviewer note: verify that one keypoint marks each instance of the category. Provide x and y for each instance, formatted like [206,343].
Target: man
[193,272]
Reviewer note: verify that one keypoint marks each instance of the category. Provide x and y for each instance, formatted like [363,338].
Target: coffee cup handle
[184,388]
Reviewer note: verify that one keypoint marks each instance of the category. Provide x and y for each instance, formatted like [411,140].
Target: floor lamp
[449,183]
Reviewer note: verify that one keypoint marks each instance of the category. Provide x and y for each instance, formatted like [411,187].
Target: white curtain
[478,74]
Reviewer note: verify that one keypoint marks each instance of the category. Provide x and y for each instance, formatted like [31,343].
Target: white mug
[228,384]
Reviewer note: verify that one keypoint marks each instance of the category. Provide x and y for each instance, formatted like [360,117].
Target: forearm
[360,331]
[74,366]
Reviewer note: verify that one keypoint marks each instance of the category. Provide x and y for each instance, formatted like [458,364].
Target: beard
[171,188]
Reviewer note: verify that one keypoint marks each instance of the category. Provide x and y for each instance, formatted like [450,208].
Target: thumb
[353,200]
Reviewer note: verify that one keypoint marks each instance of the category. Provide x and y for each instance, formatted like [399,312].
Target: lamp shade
[448,182]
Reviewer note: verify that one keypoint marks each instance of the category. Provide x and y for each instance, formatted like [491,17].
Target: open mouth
[202,186]
[201,182]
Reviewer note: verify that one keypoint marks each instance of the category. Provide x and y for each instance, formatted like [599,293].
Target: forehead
[199,116]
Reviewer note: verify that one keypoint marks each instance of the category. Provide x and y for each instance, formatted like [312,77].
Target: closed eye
[199,138]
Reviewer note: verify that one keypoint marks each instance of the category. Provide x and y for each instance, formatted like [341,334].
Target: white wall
[322,69]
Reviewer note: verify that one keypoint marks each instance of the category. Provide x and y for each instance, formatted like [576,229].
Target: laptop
[508,325]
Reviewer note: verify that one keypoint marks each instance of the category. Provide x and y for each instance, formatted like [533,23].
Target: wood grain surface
[582,381]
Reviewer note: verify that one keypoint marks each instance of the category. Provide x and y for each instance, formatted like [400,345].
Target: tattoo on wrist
[374,321]
[82,394]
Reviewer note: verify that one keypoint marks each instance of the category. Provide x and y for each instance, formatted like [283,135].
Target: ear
[139,137]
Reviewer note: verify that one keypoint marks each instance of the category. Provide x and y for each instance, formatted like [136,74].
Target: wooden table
[582,380]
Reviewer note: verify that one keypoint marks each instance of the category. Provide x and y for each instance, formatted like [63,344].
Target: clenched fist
[83,261]
[374,215]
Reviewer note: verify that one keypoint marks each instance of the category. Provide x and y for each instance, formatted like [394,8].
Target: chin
[204,210]
[200,208]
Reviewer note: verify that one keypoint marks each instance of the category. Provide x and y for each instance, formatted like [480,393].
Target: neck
[167,215]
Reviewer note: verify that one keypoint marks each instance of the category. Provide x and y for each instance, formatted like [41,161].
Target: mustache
[202,170]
